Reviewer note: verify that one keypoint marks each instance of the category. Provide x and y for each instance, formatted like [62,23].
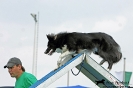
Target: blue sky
[114,17]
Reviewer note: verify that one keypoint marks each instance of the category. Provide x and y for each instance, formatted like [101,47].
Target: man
[15,69]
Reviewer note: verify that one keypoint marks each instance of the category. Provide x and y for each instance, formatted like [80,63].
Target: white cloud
[69,26]
[4,35]
[23,38]
[110,25]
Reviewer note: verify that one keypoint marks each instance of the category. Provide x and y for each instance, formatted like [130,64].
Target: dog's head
[51,46]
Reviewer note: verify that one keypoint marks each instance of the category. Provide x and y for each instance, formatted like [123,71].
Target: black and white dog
[99,43]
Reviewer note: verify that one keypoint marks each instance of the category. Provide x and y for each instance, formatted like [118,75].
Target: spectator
[16,69]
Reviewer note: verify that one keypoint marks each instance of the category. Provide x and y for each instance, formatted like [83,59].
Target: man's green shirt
[25,80]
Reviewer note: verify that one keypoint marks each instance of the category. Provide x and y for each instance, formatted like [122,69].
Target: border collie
[99,43]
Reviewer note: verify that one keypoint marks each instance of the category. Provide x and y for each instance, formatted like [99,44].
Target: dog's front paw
[56,68]
[58,63]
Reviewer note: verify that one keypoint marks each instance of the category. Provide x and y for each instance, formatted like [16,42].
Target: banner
[119,76]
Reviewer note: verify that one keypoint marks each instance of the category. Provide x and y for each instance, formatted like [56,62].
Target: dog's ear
[50,37]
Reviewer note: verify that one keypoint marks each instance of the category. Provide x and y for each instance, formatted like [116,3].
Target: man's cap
[13,61]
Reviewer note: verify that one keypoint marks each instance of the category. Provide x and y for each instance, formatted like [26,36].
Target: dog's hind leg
[109,62]
[110,65]
[102,62]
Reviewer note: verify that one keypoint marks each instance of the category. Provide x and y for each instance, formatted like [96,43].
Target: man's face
[14,71]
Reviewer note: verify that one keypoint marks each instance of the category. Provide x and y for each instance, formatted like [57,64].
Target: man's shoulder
[29,79]
[28,74]
[26,80]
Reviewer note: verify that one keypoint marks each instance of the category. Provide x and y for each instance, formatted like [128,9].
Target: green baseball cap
[13,61]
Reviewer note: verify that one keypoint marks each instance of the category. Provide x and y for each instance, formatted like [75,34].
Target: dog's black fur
[99,43]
